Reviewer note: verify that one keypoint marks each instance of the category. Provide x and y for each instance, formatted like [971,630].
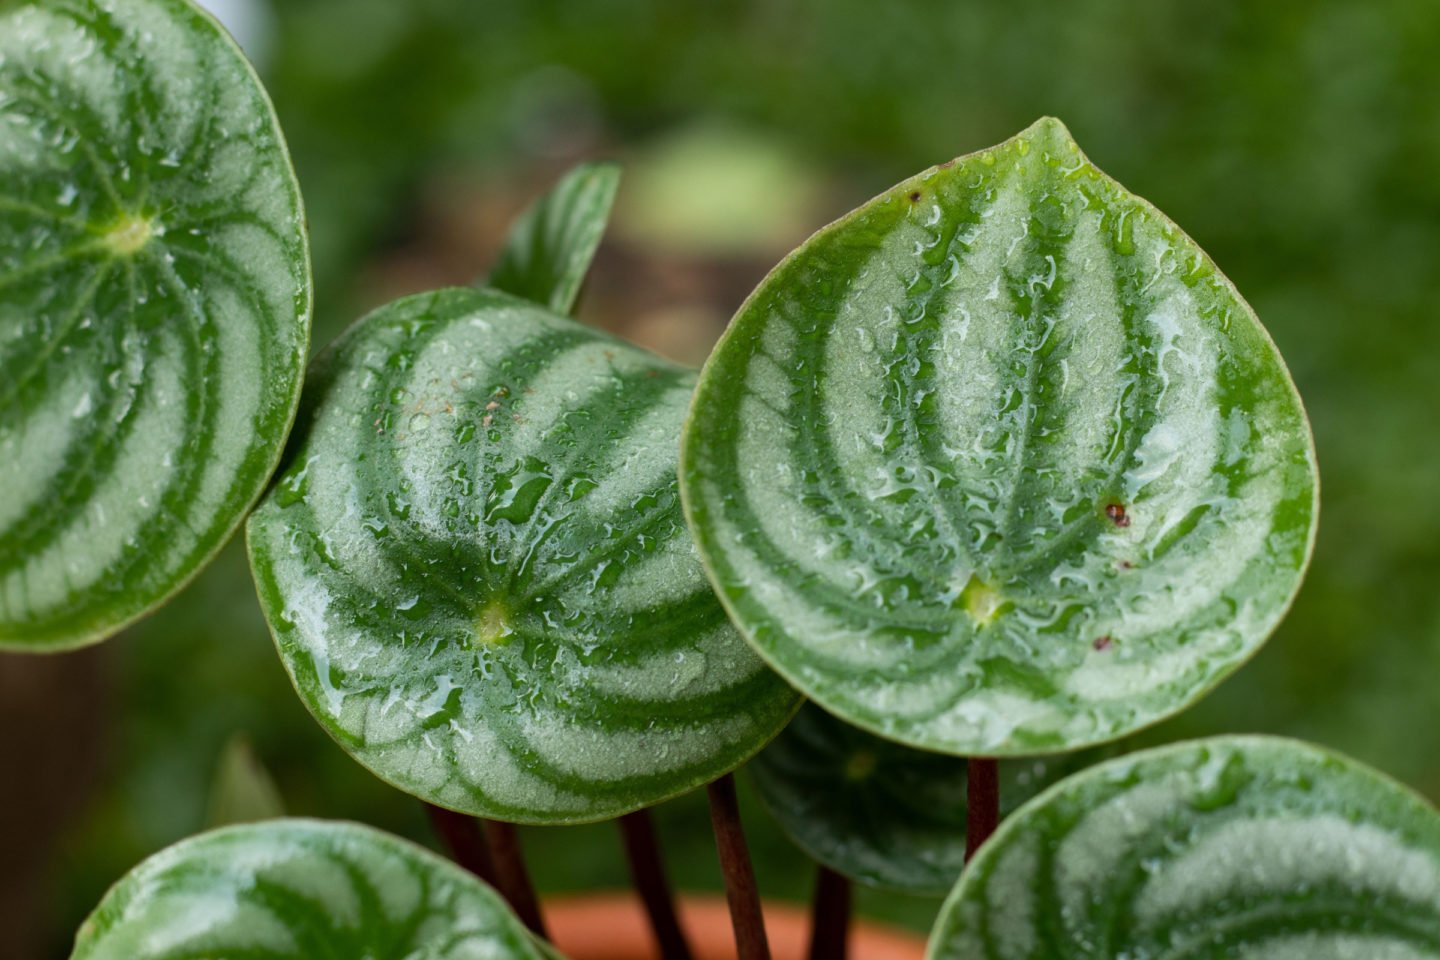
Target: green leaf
[478,576]
[1248,847]
[881,813]
[243,790]
[154,308]
[999,463]
[301,889]
[550,247]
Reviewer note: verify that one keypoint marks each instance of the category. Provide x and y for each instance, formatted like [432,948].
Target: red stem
[982,803]
[514,879]
[463,838]
[740,889]
[647,870]
[830,916]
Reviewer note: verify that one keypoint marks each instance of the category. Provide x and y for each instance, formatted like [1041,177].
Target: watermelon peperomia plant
[996,470]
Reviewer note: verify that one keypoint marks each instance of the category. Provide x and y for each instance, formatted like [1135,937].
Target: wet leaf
[999,463]
[478,575]
[154,308]
[881,813]
[301,889]
[549,249]
[1249,847]
[243,790]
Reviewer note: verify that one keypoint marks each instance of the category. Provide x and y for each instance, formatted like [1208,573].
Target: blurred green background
[1298,143]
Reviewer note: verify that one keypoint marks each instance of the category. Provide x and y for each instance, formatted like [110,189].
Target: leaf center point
[493,627]
[129,235]
[981,601]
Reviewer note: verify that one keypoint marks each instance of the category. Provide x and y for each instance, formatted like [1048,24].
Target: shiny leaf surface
[1236,847]
[549,249]
[301,890]
[999,463]
[881,813]
[478,575]
[154,308]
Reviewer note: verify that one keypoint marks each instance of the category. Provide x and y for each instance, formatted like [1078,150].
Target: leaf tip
[602,176]
[1052,138]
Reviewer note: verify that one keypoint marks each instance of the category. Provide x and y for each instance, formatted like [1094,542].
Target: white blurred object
[250,22]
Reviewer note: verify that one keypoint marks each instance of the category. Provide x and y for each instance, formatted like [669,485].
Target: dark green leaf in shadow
[881,813]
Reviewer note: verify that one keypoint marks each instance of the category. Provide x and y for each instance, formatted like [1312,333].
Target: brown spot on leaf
[915,196]
[947,164]
[1117,515]
[1103,643]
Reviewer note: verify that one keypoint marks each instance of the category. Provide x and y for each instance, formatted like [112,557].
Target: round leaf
[478,575]
[881,813]
[999,463]
[301,889]
[154,308]
[1244,847]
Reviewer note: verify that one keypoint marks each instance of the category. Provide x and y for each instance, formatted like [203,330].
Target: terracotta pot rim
[611,925]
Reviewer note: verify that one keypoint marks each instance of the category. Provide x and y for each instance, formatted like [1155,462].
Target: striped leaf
[154,308]
[999,463]
[478,576]
[1236,847]
[301,889]
[549,249]
[881,813]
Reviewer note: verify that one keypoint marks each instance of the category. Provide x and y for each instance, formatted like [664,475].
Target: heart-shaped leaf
[1247,847]
[301,889]
[999,463]
[154,308]
[478,575]
[549,249]
[879,812]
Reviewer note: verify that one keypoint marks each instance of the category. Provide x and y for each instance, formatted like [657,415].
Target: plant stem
[514,880]
[467,844]
[982,803]
[830,916]
[740,889]
[642,849]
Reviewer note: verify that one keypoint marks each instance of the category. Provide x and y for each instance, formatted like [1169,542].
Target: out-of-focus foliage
[1297,143]
[243,790]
